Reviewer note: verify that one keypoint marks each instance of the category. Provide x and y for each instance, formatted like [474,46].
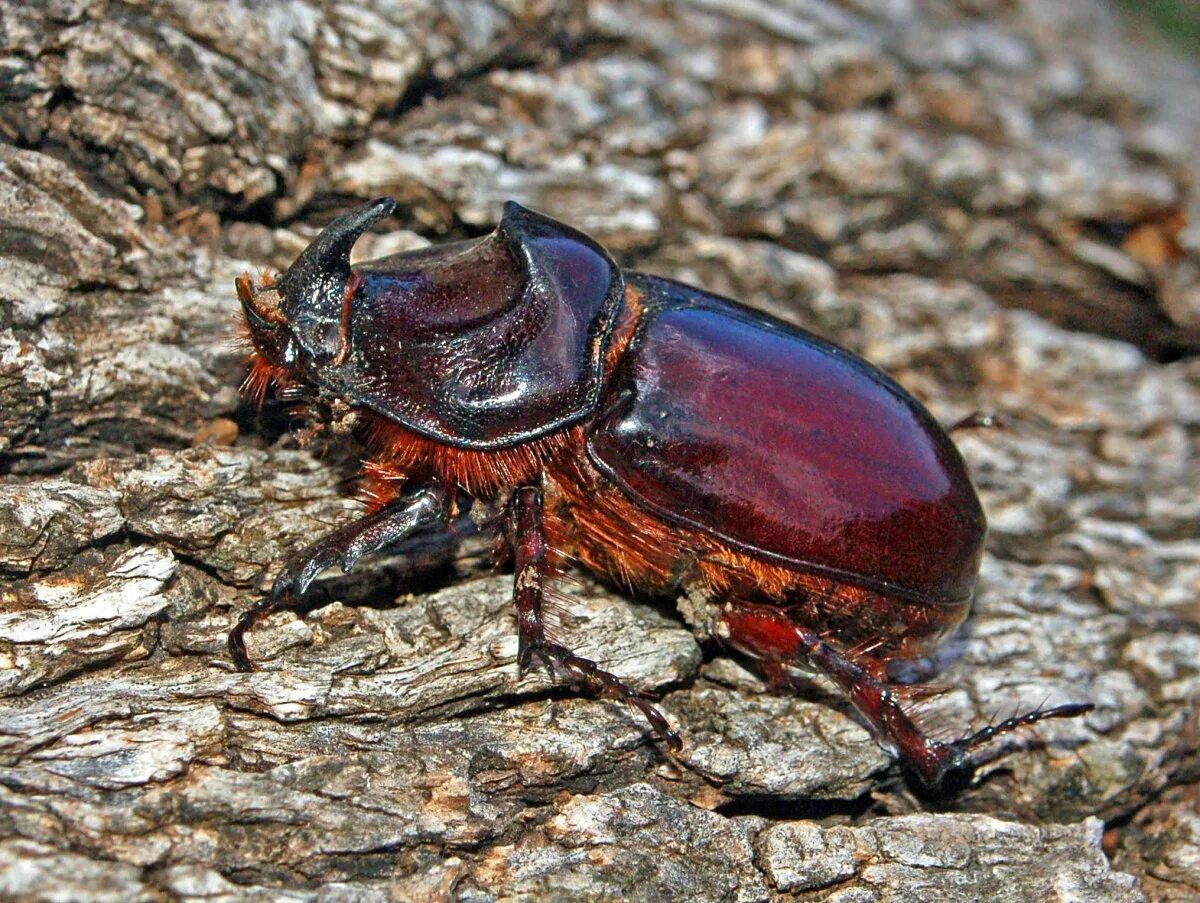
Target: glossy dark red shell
[489,343]
[788,447]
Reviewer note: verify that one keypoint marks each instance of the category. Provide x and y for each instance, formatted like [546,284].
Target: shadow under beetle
[809,508]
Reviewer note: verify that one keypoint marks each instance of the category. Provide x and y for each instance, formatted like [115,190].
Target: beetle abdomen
[787,447]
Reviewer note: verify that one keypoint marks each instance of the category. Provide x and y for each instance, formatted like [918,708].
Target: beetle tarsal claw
[237,636]
[951,766]
[981,737]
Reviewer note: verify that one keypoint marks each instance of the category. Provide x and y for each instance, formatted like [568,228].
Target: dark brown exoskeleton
[661,435]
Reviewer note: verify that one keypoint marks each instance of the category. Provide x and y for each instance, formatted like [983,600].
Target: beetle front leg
[347,545]
[529,552]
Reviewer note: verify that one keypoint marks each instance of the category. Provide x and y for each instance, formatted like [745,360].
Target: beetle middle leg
[531,569]
[942,767]
[392,523]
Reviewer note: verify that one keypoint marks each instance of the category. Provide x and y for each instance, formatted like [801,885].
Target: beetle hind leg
[942,768]
[531,570]
[346,545]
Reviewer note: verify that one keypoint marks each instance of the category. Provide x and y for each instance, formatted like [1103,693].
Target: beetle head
[300,318]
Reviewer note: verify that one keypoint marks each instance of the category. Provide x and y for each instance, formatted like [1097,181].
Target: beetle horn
[314,285]
[329,254]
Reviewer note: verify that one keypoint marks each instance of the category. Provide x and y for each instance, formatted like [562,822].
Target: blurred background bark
[992,199]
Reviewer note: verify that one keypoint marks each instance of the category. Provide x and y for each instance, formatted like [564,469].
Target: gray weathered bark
[947,188]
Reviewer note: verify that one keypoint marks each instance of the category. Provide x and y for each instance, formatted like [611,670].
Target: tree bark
[993,200]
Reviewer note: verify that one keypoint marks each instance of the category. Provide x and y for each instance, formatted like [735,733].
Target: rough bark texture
[992,199]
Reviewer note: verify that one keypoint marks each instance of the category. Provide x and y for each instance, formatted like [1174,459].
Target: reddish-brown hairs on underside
[260,376]
[399,454]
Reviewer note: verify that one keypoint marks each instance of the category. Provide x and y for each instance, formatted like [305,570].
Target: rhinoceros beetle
[658,434]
